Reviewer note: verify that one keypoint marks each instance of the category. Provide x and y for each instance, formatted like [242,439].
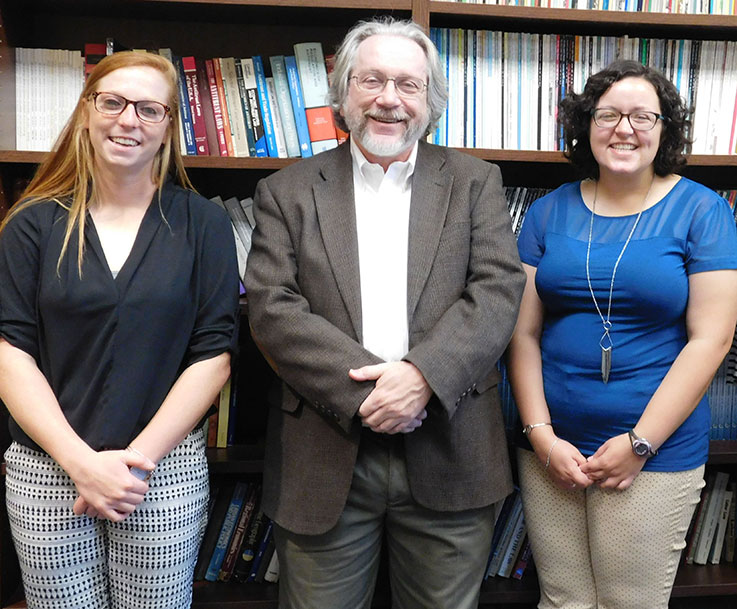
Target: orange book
[320,123]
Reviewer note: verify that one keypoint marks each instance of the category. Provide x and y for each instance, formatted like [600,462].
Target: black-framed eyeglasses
[374,83]
[112,104]
[640,120]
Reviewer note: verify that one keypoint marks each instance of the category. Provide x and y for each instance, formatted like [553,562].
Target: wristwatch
[640,446]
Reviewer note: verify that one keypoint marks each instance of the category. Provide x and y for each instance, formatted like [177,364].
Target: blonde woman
[118,303]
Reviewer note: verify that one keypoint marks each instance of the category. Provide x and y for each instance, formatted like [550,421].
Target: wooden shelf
[723,452]
[240,459]
[220,595]
[565,20]
[266,163]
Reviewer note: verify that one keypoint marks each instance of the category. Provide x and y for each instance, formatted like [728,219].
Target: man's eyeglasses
[111,104]
[640,120]
[374,83]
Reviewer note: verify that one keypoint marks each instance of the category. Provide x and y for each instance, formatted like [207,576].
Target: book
[223,415]
[93,53]
[191,82]
[284,103]
[220,500]
[524,560]
[247,205]
[262,546]
[715,553]
[281,144]
[240,221]
[250,545]
[265,559]
[208,112]
[502,514]
[272,571]
[217,113]
[239,534]
[729,537]
[265,105]
[509,559]
[706,536]
[243,95]
[235,108]
[697,522]
[314,80]
[298,106]
[506,534]
[254,105]
[225,111]
[190,148]
[226,531]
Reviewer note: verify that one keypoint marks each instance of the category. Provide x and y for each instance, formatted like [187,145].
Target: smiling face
[124,143]
[386,125]
[623,150]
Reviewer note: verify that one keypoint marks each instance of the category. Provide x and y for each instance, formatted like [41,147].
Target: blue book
[261,549]
[263,98]
[298,106]
[226,531]
[185,111]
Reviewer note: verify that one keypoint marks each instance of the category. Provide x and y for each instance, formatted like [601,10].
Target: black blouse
[111,348]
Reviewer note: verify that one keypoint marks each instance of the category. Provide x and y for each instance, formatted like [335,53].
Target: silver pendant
[606,363]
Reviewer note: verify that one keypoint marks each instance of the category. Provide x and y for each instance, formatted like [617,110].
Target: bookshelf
[247,27]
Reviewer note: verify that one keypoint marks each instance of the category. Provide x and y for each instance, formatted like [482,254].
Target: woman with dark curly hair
[629,308]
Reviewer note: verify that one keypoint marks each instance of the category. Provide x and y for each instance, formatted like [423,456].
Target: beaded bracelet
[550,452]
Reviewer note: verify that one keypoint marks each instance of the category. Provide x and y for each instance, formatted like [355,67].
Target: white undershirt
[382,221]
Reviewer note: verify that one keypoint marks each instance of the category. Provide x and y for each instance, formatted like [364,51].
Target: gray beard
[382,147]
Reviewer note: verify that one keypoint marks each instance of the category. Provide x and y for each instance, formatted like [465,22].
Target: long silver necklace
[605,342]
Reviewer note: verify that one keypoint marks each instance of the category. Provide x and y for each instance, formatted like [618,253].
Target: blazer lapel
[334,202]
[430,199]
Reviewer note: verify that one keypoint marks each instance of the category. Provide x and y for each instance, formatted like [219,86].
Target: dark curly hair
[574,115]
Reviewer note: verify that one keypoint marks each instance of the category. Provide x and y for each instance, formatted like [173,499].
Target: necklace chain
[605,342]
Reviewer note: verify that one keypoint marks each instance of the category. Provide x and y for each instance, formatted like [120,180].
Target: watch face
[640,448]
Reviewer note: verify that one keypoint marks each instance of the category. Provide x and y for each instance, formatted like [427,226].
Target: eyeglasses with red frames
[112,104]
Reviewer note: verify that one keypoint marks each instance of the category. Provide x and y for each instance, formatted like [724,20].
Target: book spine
[314,79]
[223,106]
[284,103]
[239,534]
[184,110]
[298,106]
[266,112]
[281,144]
[265,539]
[216,108]
[249,79]
[226,532]
[195,105]
[243,95]
[207,110]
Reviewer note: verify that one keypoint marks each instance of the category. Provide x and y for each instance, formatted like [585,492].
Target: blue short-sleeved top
[690,230]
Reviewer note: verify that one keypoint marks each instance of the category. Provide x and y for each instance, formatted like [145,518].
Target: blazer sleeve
[459,352]
[309,352]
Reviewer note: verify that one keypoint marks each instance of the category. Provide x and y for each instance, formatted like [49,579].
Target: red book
[217,112]
[195,105]
[320,123]
[207,112]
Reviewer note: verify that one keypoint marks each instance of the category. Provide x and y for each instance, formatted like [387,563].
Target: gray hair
[345,60]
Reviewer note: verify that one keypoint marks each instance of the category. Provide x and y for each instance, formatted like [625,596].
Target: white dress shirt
[382,203]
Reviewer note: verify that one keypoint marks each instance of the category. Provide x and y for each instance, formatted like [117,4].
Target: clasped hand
[106,487]
[397,402]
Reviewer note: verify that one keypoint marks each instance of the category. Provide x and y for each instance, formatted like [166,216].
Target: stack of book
[254,106]
[505,87]
[47,85]
[699,7]
[238,543]
[510,553]
[711,537]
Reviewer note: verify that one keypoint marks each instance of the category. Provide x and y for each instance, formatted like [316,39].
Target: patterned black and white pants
[144,562]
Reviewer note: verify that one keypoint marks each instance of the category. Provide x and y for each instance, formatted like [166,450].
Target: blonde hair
[67,175]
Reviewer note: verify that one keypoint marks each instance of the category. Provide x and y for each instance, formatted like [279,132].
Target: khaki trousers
[606,549]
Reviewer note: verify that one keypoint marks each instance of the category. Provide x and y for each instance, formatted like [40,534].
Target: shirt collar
[399,172]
